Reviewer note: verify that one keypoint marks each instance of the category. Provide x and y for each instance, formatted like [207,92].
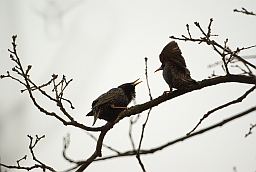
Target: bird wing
[172,53]
[108,97]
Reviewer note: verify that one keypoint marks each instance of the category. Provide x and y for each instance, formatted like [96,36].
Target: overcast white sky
[102,44]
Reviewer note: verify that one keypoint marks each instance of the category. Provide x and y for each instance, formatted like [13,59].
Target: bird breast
[167,74]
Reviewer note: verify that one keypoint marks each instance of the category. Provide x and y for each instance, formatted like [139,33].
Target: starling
[110,104]
[174,67]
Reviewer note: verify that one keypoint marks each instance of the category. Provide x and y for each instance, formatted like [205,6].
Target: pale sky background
[102,44]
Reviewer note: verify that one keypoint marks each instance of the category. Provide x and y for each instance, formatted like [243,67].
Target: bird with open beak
[110,104]
[175,71]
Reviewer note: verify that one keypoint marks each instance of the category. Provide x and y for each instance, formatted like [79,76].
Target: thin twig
[127,113]
[145,123]
[181,139]
[189,34]
[206,38]
[30,86]
[23,158]
[104,145]
[250,130]
[97,152]
[223,54]
[66,143]
[240,99]
[201,84]
[31,147]
[146,75]
[130,131]
[140,143]
[37,165]
[234,61]
[245,11]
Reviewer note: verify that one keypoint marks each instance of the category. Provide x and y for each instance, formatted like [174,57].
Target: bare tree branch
[97,152]
[146,76]
[60,86]
[38,165]
[145,123]
[142,107]
[223,51]
[132,122]
[245,11]
[240,99]
[140,143]
[31,86]
[66,143]
[32,146]
[23,158]
[201,84]
[180,139]
[247,57]
[104,145]
[250,130]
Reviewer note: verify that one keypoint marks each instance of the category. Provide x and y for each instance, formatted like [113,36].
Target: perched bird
[110,104]
[174,67]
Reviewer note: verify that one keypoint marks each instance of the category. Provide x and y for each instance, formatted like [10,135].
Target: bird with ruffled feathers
[110,104]
[175,71]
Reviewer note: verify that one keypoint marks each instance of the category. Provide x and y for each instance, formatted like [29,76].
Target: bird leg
[118,107]
[167,92]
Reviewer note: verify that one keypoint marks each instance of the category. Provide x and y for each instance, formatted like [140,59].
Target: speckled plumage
[110,104]
[175,71]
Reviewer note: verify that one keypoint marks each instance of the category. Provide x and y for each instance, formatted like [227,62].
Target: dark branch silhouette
[250,130]
[145,123]
[182,138]
[22,75]
[245,11]
[238,100]
[223,50]
[39,165]
[30,86]
[132,122]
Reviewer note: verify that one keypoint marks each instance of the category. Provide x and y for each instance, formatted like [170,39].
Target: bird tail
[190,81]
[186,82]
[90,113]
[95,116]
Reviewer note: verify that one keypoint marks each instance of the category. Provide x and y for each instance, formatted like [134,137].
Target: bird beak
[161,68]
[136,82]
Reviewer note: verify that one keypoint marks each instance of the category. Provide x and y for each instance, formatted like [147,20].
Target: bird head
[169,51]
[129,88]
